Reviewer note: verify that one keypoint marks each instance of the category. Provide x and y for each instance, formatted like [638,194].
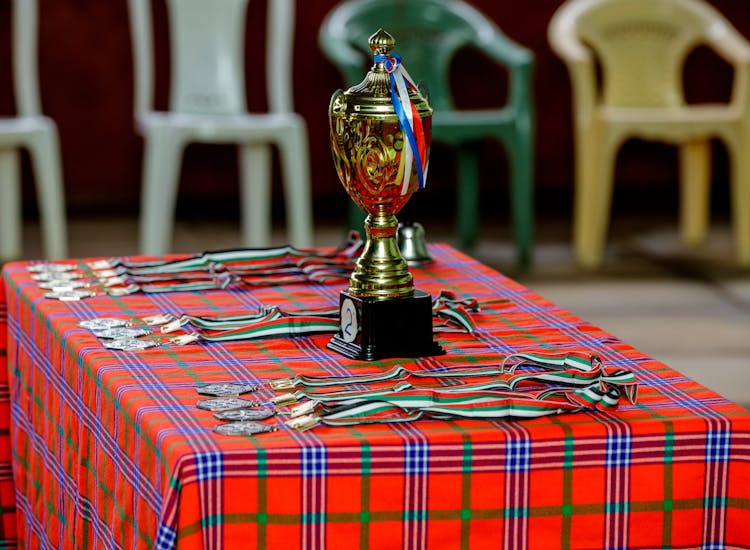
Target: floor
[689,308]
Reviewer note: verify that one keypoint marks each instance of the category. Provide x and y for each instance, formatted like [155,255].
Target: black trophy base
[378,329]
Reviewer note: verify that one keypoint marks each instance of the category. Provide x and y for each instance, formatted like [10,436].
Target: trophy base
[378,329]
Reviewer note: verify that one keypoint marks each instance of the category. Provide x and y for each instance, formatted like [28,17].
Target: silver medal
[51,268]
[57,285]
[224,404]
[102,323]
[56,276]
[129,344]
[69,295]
[242,415]
[116,333]
[243,428]
[227,389]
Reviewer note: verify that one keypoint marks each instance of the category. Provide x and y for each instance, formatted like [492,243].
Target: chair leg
[695,176]
[10,205]
[297,192]
[593,199]
[740,187]
[520,163]
[255,175]
[467,195]
[44,150]
[162,160]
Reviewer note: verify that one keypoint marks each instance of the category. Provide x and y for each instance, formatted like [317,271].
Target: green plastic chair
[428,34]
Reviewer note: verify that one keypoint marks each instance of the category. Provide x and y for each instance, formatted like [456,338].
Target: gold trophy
[380,138]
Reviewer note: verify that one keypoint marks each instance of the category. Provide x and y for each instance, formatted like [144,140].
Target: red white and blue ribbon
[409,121]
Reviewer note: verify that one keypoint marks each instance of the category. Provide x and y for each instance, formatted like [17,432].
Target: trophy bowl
[368,144]
[381,134]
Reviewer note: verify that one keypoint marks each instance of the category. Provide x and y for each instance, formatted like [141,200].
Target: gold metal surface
[367,147]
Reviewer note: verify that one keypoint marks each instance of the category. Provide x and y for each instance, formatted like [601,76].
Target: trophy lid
[372,97]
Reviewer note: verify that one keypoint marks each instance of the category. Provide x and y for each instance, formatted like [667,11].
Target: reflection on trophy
[380,137]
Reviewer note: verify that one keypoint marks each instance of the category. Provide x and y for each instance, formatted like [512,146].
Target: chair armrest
[733,47]
[579,61]
[728,43]
[517,59]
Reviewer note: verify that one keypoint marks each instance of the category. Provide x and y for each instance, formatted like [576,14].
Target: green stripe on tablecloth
[668,476]
[365,494]
[465,490]
[262,476]
[738,503]
[433,515]
[566,530]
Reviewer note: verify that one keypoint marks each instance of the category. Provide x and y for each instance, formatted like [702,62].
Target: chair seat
[700,114]
[456,127]
[12,129]
[217,124]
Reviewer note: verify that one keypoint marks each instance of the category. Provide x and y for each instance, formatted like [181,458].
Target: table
[110,450]
[7,487]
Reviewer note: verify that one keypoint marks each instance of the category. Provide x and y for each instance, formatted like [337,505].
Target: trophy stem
[381,272]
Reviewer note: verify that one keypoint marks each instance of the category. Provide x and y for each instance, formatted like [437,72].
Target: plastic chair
[207,104]
[38,135]
[428,34]
[641,46]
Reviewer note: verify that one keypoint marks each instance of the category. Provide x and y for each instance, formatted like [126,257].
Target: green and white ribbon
[273,321]
[574,382]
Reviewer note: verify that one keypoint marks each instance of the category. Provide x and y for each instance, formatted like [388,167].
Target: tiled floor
[687,308]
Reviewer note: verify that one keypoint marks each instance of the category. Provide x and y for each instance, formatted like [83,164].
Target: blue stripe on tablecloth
[518,455]
[313,468]
[717,445]
[209,465]
[166,538]
[619,447]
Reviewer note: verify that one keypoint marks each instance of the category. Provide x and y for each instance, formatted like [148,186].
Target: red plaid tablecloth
[7,491]
[109,449]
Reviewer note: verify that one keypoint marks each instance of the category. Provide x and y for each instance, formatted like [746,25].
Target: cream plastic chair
[38,134]
[207,104]
[641,46]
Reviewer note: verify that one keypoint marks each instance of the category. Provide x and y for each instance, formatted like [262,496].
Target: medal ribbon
[247,258]
[272,321]
[580,382]
[219,269]
[409,120]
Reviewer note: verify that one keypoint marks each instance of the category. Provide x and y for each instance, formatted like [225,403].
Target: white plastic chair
[207,104]
[642,46]
[38,134]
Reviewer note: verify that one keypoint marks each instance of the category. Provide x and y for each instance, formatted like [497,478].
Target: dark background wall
[87,87]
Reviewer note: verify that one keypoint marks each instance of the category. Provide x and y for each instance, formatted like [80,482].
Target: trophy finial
[382,43]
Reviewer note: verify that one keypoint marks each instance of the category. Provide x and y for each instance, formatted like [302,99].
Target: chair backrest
[641,45]
[428,33]
[207,44]
[24,30]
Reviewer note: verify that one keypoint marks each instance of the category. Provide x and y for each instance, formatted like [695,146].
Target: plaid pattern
[110,451]
[7,487]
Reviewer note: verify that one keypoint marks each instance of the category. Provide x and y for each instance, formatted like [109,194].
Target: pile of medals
[525,385]
[450,314]
[239,416]
[206,271]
